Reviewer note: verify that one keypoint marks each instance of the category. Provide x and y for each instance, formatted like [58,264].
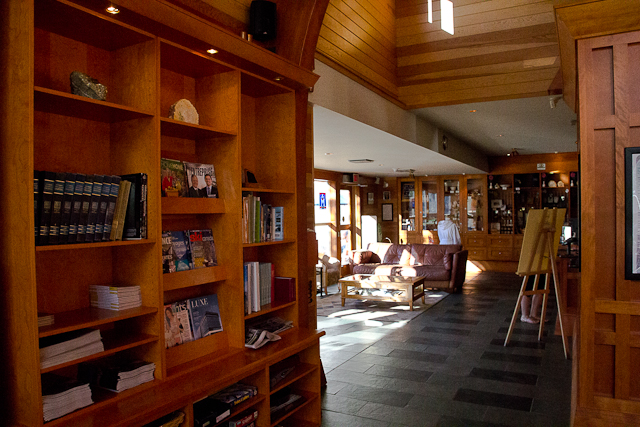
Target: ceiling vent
[361,161]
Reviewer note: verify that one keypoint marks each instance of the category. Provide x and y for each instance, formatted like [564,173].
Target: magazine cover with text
[205,316]
[201,180]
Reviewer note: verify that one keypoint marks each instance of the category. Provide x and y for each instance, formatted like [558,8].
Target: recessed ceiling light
[508,154]
[499,135]
[328,154]
[278,78]
[380,164]
[212,51]
[473,111]
[113,10]
[556,152]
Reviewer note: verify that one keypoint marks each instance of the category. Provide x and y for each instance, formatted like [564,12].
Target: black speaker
[262,20]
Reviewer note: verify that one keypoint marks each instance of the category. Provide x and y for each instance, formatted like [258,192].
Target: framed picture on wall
[386,195]
[387,211]
[369,198]
[632,213]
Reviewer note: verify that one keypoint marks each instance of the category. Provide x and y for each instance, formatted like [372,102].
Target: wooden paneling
[359,37]
[528,163]
[501,49]
[608,338]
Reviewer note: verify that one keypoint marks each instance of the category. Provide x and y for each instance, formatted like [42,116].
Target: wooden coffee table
[411,288]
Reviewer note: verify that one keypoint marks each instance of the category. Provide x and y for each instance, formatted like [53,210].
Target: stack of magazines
[61,395]
[116,375]
[115,297]
[69,346]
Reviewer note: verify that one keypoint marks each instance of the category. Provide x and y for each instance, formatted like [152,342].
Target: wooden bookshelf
[149,56]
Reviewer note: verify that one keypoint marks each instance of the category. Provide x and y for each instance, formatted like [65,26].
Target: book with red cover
[285,290]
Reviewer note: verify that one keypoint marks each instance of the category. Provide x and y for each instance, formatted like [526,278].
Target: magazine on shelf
[116,375]
[201,180]
[181,251]
[68,346]
[205,316]
[202,247]
[173,178]
[168,256]
[256,338]
[62,395]
[177,324]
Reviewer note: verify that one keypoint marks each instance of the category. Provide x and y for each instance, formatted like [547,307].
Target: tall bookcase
[247,121]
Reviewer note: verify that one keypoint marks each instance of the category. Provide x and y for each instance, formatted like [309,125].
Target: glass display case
[452,200]
[500,204]
[475,208]
[407,206]
[555,190]
[526,197]
[429,205]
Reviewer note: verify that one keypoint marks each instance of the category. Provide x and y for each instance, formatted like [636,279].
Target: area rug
[386,311]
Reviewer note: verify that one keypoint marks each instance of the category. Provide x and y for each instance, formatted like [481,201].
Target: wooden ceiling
[501,49]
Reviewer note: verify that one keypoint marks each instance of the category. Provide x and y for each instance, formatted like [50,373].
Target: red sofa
[444,266]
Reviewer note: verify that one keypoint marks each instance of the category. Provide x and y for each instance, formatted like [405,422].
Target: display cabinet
[429,198]
[526,196]
[451,200]
[475,204]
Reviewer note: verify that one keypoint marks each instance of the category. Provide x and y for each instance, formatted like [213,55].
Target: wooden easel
[538,256]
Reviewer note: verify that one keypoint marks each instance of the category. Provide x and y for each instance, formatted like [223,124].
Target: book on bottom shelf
[177,324]
[215,408]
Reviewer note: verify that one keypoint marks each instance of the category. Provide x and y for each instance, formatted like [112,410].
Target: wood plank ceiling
[501,49]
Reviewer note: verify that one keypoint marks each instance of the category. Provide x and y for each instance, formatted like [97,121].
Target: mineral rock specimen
[184,111]
[83,85]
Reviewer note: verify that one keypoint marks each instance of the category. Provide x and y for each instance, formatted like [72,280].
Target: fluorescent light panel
[446,16]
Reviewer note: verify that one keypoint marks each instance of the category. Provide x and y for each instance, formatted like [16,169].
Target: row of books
[187,179]
[215,408]
[68,346]
[115,297]
[191,319]
[262,287]
[261,222]
[188,249]
[78,208]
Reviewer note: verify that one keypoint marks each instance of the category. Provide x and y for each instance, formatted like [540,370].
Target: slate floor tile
[418,355]
[400,373]
[500,400]
[504,376]
[515,358]
[376,395]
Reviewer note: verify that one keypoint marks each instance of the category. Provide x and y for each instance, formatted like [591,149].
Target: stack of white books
[134,377]
[69,346]
[61,395]
[115,297]
[116,375]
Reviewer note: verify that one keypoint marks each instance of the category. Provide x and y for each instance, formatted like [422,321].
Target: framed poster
[386,195]
[387,211]
[632,213]
[369,198]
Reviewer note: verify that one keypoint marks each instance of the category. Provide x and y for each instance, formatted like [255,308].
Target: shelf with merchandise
[269,243]
[269,308]
[309,399]
[195,277]
[82,246]
[192,206]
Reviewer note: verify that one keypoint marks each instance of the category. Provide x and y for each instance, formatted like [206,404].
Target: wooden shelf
[77,23]
[269,308]
[67,104]
[299,371]
[178,129]
[188,278]
[266,190]
[90,317]
[109,244]
[309,398]
[276,242]
[114,342]
[192,205]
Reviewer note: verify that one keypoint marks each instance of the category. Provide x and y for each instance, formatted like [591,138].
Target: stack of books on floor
[116,375]
[69,346]
[45,319]
[215,408]
[115,297]
[61,395]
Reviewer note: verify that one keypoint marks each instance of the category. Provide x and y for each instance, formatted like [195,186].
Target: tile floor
[446,367]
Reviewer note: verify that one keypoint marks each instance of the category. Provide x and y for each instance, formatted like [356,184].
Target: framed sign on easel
[537,257]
